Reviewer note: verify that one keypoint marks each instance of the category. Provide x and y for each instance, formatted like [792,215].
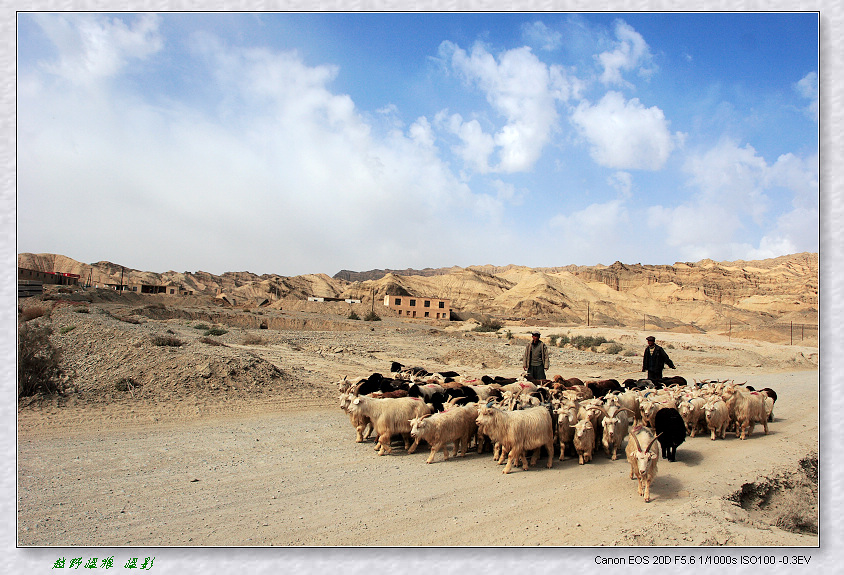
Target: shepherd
[535,361]
[654,360]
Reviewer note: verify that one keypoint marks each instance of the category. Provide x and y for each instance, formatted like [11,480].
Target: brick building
[419,307]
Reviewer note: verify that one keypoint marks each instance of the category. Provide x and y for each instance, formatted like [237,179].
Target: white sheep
[717,417]
[456,424]
[518,432]
[748,408]
[584,440]
[389,416]
[615,424]
[643,462]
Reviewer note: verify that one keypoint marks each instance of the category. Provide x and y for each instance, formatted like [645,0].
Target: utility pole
[587,314]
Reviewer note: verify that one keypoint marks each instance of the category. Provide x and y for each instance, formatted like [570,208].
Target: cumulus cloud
[630,52]
[734,189]
[92,47]
[808,88]
[624,135]
[538,34]
[521,89]
[601,230]
[276,173]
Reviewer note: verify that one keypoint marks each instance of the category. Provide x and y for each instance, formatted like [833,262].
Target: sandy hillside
[243,444]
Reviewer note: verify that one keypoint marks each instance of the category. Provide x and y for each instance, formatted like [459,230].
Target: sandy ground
[281,468]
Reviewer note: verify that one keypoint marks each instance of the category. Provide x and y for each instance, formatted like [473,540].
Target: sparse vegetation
[81,310]
[39,361]
[488,325]
[127,384]
[252,339]
[67,328]
[371,316]
[614,348]
[166,340]
[353,315]
[629,353]
[200,326]
[216,331]
[552,340]
[587,341]
[209,341]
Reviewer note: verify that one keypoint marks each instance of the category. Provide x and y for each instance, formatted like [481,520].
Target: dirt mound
[788,501]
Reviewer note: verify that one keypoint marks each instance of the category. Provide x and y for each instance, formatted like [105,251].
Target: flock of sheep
[515,416]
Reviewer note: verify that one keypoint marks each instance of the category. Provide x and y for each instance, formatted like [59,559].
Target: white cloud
[538,34]
[601,230]
[734,186]
[624,135]
[92,47]
[520,88]
[278,174]
[623,183]
[631,53]
[808,88]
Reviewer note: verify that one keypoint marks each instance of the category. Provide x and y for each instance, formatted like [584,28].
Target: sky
[295,143]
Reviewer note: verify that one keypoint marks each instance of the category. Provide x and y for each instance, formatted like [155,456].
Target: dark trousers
[655,376]
[536,372]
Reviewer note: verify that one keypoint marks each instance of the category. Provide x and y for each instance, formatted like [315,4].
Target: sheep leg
[509,465]
[384,442]
[436,447]
[550,448]
[647,490]
[415,445]
[535,457]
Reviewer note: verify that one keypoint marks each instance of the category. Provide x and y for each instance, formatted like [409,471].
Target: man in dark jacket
[535,360]
[654,360]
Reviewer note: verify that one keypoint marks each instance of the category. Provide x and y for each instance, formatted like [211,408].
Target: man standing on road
[535,361]
[654,360]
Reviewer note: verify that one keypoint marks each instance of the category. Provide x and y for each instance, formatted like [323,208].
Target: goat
[389,417]
[566,418]
[584,440]
[693,415]
[361,423]
[519,431]
[748,407]
[772,395]
[717,418]
[456,424]
[602,387]
[643,462]
[669,425]
[615,424]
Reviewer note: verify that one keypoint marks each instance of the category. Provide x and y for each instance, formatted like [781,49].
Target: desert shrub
[564,339]
[252,339]
[81,310]
[587,341]
[488,325]
[67,328]
[614,348]
[39,361]
[552,340]
[629,353]
[127,384]
[216,331]
[33,312]
[353,315]
[166,340]
[508,334]
[669,345]
[200,326]
[209,341]
[371,316]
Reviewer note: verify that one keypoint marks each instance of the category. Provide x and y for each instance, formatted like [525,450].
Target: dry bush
[166,340]
[39,369]
[209,341]
[252,339]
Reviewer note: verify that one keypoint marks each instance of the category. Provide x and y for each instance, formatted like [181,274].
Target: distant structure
[419,307]
[320,298]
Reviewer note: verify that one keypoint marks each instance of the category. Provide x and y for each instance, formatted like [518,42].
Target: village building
[419,307]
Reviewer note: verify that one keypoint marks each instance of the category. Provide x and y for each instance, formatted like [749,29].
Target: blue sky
[308,143]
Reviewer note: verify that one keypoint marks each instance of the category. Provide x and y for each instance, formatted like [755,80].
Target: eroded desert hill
[688,296]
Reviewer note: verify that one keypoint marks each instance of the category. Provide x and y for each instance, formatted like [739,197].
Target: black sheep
[671,429]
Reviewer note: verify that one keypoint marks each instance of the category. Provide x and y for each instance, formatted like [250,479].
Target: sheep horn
[652,441]
[625,409]
[633,435]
